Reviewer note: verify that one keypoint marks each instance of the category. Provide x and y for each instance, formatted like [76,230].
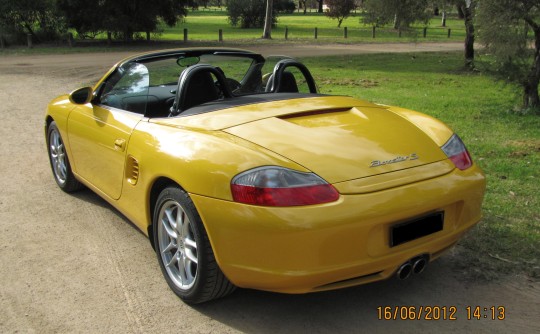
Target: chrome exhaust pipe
[404,271]
[419,265]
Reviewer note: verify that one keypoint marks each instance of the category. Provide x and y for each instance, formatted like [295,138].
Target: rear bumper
[339,244]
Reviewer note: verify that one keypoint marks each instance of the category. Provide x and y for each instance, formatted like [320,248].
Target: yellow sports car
[242,175]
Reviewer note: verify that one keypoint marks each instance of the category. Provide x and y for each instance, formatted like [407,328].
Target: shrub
[284,6]
[248,13]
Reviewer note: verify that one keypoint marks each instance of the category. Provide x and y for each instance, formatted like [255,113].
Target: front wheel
[61,168]
[183,250]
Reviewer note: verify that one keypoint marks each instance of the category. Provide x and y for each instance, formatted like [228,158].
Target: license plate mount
[416,228]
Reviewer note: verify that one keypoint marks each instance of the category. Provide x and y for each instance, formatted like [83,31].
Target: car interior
[131,88]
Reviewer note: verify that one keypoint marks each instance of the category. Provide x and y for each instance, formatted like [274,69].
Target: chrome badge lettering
[377,163]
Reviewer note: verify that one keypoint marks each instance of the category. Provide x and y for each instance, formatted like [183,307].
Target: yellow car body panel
[337,244]
[435,129]
[199,162]
[98,138]
[348,144]
[123,156]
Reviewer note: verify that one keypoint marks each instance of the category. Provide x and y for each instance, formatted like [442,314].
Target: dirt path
[73,264]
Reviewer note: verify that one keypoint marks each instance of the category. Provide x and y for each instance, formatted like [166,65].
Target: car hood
[338,138]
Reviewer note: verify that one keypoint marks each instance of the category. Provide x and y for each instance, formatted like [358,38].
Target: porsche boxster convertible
[243,175]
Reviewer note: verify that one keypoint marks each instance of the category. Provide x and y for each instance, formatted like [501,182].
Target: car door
[99,132]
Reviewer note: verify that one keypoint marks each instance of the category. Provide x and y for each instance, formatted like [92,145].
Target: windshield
[166,84]
[242,73]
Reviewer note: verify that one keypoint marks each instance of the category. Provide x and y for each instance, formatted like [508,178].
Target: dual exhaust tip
[413,266]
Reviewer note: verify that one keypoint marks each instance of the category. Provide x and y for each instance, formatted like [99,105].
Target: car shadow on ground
[91,197]
[347,310]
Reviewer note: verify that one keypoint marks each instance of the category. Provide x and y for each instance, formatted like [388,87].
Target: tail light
[456,151]
[278,186]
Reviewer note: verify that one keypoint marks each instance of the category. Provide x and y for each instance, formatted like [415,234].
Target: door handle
[119,144]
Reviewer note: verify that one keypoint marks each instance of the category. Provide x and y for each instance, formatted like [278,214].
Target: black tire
[60,165]
[193,281]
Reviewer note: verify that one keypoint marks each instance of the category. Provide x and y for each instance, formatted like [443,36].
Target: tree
[303,4]
[401,13]
[203,2]
[340,9]
[467,8]
[248,13]
[35,17]
[284,6]
[87,23]
[505,28]
[120,17]
[440,8]
[267,32]
[320,5]
[126,18]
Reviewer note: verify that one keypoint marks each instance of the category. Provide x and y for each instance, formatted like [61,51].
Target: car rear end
[360,238]
[406,187]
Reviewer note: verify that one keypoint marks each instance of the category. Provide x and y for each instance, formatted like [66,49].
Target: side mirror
[81,95]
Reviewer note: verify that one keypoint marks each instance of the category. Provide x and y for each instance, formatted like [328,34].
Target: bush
[248,13]
[284,6]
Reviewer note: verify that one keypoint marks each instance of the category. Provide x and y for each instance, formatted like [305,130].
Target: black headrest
[288,83]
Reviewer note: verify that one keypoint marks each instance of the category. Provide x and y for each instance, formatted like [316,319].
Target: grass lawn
[204,26]
[506,145]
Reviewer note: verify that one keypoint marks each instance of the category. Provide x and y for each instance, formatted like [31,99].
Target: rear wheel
[60,165]
[183,250]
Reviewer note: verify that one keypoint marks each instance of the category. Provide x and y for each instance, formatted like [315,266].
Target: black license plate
[416,228]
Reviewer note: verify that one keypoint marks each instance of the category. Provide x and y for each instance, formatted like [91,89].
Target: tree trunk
[461,15]
[267,33]
[443,20]
[530,87]
[320,6]
[530,95]
[469,37]
[397,21]
[128,36]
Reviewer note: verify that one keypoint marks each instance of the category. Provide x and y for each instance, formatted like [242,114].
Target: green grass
[204,26]
[505,144]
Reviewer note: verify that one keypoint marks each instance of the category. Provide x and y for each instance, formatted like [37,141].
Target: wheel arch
[157,187]
[48,121]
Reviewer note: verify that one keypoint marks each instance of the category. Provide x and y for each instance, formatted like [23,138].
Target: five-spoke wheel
[177,244]
[60,165]
[183,250]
